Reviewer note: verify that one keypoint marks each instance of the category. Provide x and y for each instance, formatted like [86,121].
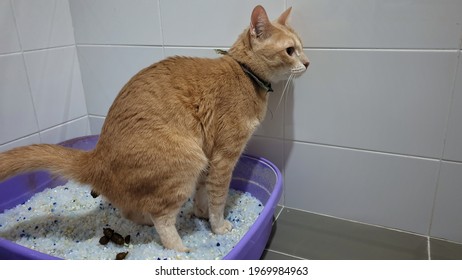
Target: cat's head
[275,47]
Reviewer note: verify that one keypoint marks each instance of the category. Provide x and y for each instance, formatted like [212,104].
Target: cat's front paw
[183,249]
[177,246]
[224,228]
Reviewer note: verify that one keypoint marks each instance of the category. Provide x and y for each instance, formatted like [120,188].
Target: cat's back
[188,73]
[159,86]
[179,83]
[170,91]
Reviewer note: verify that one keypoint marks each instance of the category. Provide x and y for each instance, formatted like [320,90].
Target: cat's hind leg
[201,202]
[138,217]
[217,186]
[165,227]
[164,210]
[163,201]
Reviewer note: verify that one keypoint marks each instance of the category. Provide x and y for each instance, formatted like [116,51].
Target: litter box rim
[250,246]
[259,232]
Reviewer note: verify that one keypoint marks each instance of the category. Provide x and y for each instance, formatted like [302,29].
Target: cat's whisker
[289,80]
[288,89]
[271,112]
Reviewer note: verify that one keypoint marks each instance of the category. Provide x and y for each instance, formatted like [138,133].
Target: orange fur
[177,126]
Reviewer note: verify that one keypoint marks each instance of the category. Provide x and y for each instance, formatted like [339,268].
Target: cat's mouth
[298,70]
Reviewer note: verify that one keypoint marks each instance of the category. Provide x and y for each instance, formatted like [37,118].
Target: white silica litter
[67,222]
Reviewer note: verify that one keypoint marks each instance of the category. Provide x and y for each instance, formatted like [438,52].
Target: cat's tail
[66,162]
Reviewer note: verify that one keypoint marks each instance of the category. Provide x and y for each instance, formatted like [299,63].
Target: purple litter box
[254,175]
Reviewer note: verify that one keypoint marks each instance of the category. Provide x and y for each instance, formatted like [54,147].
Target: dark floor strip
[311,236]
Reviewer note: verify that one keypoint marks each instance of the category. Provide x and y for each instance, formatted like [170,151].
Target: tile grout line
[378,152]
[428,248]
[161,28]
[27,74]
[446,129]
[39,49]
[382,49]
[45,130]
[50,32]
[278,214]
[305,48]
[355,149]
[285,254]
[358,222]
[446,240]
[64,123]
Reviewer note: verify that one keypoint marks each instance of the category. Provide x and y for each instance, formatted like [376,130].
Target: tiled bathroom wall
[41,92]
[372,132]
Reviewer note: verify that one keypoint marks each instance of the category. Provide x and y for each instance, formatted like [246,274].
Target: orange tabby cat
[177,128]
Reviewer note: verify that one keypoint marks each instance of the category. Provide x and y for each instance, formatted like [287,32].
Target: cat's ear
[259,23]
[284,16]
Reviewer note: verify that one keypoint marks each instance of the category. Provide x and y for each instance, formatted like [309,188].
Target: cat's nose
[306,64]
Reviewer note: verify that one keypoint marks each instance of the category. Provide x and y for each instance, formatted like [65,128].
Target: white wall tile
[378,24]
[116,22]
[394,101]
[56,85]
[375,188]
[43,24]
[96,124]
[28,140]
[17,116]
[106,69]
[73,129]
[209,22]
[188,51]
[446,221]
[9,36]
[453,146]
[273,124]
[270,149]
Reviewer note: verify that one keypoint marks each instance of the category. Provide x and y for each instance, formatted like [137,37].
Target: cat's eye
[290,50]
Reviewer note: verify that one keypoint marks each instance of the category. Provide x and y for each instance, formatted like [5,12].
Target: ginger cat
[176,129]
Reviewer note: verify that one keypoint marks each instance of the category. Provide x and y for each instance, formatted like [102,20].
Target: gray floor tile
[312,236]
[444,250]
[278,210]
[270,255]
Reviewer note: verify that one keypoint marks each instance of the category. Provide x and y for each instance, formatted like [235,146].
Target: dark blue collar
[262,83]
